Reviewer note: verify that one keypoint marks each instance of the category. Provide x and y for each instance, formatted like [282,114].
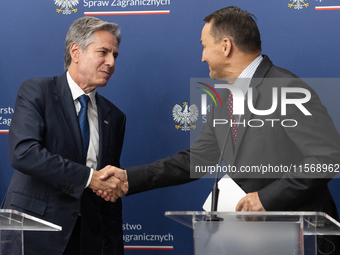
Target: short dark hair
[239,25]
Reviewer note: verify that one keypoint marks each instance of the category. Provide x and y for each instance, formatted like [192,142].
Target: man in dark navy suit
[57,143]
[232,48]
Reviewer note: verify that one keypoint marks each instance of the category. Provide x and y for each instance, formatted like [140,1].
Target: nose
[110,60]
[203,58]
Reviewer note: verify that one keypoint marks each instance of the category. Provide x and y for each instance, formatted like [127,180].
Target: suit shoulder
[112,106]
[40,81]
[37,85]
[267,69]
[279,72]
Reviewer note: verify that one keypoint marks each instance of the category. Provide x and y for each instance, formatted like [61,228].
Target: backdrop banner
[159,54]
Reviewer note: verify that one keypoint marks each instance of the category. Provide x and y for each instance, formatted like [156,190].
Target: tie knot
[83,100]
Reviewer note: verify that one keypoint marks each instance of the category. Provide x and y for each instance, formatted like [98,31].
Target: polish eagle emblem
[185,117]
[298,4]
[66,6]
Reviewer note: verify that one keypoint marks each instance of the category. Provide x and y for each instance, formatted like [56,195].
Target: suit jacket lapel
[255,82]
[242,128]
[104,123]
[65,107]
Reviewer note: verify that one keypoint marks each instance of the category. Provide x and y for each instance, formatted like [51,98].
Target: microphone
[215,190]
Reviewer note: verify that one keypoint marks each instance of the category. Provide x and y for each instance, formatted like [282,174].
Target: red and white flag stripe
[326,8]
[133,247]
[127,13]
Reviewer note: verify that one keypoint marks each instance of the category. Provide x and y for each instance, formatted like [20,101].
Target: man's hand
[107,174]
[251,202]
[105,184]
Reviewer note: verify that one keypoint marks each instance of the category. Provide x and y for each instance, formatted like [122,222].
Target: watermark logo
[263,109]
[204,104]
[245,106]
[238,106]
[185,117]
[66,6]
[238,100]
[298,4]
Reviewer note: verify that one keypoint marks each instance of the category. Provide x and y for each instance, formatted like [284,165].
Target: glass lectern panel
[256,232]
[12,225]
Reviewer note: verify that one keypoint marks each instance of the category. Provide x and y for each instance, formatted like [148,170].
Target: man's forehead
[205,33]
[105,38]
[104,34]
[206,27]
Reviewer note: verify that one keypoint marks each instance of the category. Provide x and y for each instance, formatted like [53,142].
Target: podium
[12,227]
[243,233]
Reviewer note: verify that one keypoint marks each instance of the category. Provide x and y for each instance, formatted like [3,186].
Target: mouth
[106,73]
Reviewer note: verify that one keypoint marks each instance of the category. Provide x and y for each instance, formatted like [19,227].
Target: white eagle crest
[67,5]
[298,4]
[185,117]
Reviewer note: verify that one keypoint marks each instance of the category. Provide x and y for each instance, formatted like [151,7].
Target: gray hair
[81,32]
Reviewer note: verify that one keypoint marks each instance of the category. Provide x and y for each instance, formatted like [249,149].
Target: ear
[227,46]
[74,52]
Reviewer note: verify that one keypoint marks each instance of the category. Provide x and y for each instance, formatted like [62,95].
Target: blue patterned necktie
[84,123]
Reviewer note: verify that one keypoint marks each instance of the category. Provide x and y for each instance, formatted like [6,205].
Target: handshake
[109,183]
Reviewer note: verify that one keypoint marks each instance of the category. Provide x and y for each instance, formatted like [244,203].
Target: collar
[245,77]
[76,91]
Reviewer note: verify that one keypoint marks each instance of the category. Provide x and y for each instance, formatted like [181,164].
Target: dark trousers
[73,246]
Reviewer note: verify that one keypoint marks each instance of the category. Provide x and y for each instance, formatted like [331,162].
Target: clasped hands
[109,183]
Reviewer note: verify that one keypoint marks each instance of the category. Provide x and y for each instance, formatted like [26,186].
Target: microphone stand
[215,190]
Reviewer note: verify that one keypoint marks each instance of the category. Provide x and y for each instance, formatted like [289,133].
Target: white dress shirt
[243,81]
[92,114]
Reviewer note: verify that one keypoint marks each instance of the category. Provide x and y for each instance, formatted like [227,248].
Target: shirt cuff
[90,177]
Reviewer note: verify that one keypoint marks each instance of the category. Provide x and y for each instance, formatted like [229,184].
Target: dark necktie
[84,123]
[232,118]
